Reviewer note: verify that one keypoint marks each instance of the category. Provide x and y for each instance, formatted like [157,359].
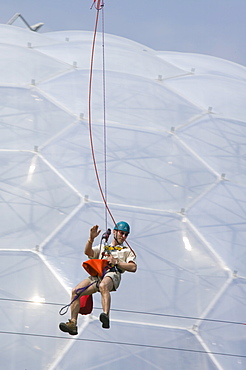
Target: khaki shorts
[115,276]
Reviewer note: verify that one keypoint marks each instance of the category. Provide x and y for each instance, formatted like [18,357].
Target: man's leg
[71,326]
[105,287]
[75,306]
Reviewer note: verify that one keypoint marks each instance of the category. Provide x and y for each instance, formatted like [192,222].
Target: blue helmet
[123,226]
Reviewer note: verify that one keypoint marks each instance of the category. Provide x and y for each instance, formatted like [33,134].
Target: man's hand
[94,232]
[127,266]
[112,260]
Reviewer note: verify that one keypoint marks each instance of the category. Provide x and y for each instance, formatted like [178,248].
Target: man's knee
[103,287]
[74,292]
[78,289]
[106,286]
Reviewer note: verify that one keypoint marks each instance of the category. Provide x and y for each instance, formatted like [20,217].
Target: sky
[211,27]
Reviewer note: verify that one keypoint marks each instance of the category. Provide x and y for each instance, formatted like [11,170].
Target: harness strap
[95,268]
[78,292]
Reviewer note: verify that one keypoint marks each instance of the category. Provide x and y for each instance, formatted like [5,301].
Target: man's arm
[128,266]
[94,232]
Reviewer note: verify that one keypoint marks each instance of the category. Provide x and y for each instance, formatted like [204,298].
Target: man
[120,257]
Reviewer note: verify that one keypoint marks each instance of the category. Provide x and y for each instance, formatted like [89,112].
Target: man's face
[120,236]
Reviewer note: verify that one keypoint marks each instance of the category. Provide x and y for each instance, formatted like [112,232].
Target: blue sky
[213,27]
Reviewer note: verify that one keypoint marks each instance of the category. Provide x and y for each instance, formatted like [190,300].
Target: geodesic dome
[176,135]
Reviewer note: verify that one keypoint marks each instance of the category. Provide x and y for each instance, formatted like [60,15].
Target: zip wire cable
[135,312]
[141,345]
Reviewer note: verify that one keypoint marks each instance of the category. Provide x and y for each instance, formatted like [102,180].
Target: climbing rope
[104,119]
[98,6]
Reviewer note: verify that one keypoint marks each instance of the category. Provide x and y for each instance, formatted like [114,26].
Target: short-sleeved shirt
[121,252]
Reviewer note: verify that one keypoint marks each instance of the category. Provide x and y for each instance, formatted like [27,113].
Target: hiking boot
[105,320]
[69,327]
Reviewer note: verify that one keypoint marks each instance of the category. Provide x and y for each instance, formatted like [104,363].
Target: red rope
[104,120]
[99,6]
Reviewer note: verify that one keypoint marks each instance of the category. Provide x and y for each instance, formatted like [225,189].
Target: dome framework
[176,135]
